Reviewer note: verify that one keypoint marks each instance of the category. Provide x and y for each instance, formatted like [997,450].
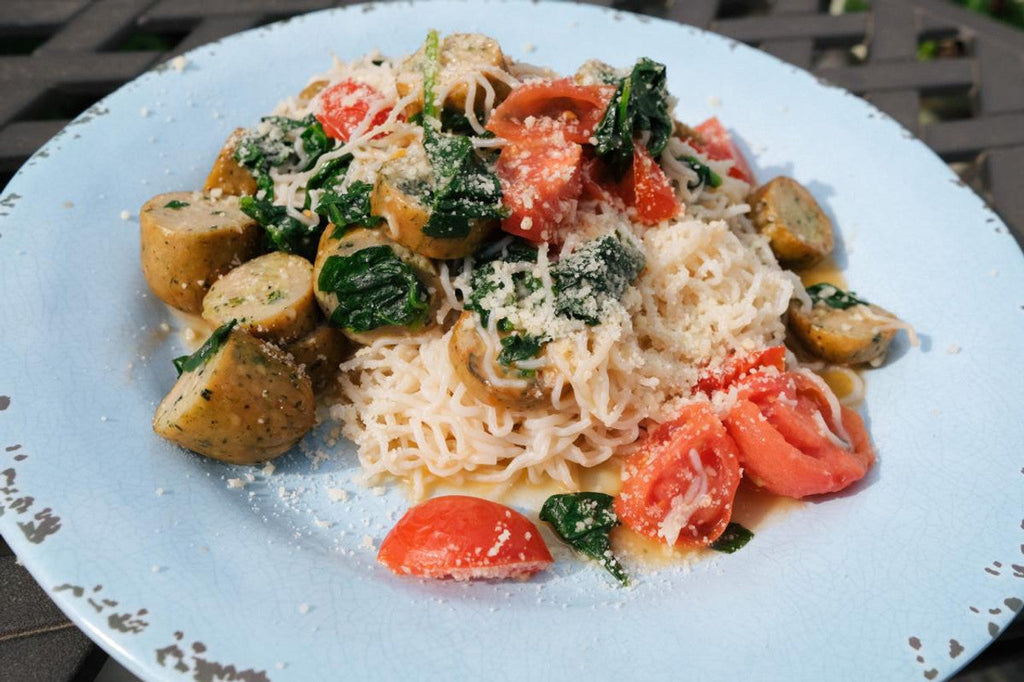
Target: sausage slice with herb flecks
[238,399]
[188,240]
[784,211]
[271,297]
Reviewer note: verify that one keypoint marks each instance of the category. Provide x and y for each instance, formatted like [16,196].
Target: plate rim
[35,562]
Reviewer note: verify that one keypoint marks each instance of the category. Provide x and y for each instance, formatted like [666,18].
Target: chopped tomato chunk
[682,481]
[545,108]
[717,143]
[464,538]
[540,185]
[644,187]
[739,366]
[792,441]
[346,105]
[653,195]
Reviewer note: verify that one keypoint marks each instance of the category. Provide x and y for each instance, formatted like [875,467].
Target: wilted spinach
[640,104]
[452,122]
[705,176]
[274,148]
[583,521]
[517,347]
[190,363]
[331,174]
[482,280]
[315,141]
[734,538]
[349,209]
[598,271]
[283,232]
[833,296]
[375,288]
[463,188]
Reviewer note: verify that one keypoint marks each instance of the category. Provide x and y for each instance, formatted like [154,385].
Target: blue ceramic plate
[180,576]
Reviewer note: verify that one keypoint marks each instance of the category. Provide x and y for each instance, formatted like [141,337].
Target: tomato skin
[782,447]
[665,469]
[465,538]
[560,108]
[717,143]
[345,105]
[653,195]
[644,187]
[540,185]
[738,366]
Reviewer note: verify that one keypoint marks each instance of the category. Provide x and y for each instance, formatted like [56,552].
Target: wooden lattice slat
[78,40]
[19,16]
[842,29]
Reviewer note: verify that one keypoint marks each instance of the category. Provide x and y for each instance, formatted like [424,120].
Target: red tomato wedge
[718,145]
[644,187]
[346,105]
[544,108]
[682,481]
[792,442]
[653,195]
[540,185]
[739,366]
[464,538]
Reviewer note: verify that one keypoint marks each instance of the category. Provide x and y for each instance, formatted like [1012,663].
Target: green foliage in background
[1008,11]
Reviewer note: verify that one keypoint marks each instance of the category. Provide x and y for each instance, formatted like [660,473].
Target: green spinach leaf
[176,205]
[705,176]
[315,142]
[583,521]
[375,288]
[287,124]
[283,232]
[640,105]
[331,174]
[598,271]
[593,274]
[274,148]
[734,538]
[517,347]
[833,296]
[464,189]
[349,209]
[190,363]
[483,282]
[452,122]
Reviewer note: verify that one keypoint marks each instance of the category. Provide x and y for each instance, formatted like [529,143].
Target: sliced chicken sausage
[800,232]
[227,175]
[245,401]
[271,297]
[398,197]
[422,289]
[487,380]
[188,240]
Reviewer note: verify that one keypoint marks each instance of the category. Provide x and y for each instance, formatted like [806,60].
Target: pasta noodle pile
[710,287]
[706,291]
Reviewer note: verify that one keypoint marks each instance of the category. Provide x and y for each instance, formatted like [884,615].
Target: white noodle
[711,287]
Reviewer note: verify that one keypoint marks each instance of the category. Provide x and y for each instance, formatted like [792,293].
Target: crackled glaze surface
[181,576]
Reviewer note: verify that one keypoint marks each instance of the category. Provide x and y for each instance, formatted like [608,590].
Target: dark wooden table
[953,78]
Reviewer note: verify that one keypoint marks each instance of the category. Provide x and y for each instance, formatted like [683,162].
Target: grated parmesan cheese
[711,287]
